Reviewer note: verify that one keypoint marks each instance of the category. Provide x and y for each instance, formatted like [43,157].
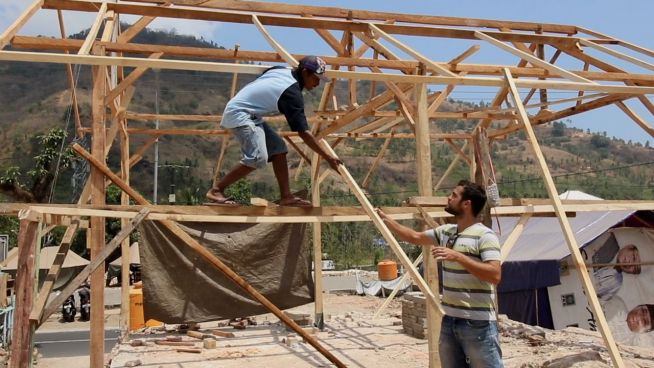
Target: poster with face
[622,272]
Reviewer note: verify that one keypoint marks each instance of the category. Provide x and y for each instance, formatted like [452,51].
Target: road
[58,344]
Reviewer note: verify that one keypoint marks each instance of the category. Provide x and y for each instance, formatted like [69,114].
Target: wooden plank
[22,330]
[256,69]
[430,64]
[71,80]
[331,40]
[635,117]
[275,45]
[451,167]
[93,31]
[97,233]
[459,151]
[424,176]
[617,54]
[379,224]
[512,239]
[345,13]
[316,237]
[135,29]
[124,223]
[532,59]
[4,301]
[11,31]
[565,226]
[129,81]
[375,164]
[464,55]
[53,273]
[90,268]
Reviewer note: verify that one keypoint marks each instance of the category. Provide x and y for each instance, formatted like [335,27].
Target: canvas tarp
[181,286]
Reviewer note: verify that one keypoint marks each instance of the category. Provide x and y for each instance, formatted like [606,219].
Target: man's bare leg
[217,193]
[280,167]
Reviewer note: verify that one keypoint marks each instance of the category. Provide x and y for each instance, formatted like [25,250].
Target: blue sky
[627,20]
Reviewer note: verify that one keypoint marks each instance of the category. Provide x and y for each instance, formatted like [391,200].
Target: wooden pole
[383,229]
[319,319]
[21,337]
[565,225]
[202,251]
[97,231]
[423,161]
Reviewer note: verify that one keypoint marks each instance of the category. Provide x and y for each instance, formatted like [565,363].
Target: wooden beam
[331,40]
[617,54]
[565,225]
[355,14]
[512,239]
[129,81]
[375,164]
[135,29]
[93,31]
[459,151]
[275,45]
[423,59]
[635,117]
[379,224]
[11,31]
[90,268]
[22,330]
[464,55]
[97,233]
[532,59]
[257,69]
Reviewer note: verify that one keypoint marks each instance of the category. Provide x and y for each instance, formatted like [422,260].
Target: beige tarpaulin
[180,286]
[73,264]
[134,257]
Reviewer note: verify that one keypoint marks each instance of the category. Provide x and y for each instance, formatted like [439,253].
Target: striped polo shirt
[464,295]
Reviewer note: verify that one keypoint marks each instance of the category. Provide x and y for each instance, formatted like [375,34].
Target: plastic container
[387,270]
[136,309]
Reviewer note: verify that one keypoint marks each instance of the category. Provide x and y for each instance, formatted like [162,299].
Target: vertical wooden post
[423,160]
[97,224]
[124,247]
[21,338]
[565,225]
[319,319]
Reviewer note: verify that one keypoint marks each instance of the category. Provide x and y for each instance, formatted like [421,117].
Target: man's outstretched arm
[312,143]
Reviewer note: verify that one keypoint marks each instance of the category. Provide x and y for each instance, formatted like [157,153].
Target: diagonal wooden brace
[385,232]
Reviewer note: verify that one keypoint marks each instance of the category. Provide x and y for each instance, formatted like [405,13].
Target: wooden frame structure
[368,49]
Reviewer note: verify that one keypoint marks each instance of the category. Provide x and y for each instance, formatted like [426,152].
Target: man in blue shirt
[277,90]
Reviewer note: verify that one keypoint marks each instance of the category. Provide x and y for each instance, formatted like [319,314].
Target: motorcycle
[85,303]
[68,309]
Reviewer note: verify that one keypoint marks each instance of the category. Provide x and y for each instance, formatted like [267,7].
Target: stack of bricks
[414,314]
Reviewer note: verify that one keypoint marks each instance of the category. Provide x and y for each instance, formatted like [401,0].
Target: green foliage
[240,191]
[599,141]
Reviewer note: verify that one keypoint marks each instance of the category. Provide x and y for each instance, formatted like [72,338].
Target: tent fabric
[134,257]
[528,306]
[180,286]
[542,238]
[528,275]
[46,259]
[378,287]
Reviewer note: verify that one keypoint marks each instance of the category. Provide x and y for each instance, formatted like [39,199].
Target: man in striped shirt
[470,255]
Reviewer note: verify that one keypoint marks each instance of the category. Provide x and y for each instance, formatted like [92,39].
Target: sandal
[226,202]
[294,202]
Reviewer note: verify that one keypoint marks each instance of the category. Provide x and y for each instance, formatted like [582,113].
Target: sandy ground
[358,341]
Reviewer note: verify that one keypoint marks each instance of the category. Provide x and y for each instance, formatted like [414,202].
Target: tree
[48,157]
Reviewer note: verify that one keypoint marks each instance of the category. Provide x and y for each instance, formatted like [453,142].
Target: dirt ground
[359,341]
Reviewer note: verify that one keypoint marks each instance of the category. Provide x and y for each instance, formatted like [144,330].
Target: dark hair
[475,193]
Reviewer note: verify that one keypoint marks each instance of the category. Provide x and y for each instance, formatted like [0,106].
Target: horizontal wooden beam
[42,43]
[345,13]
[279,214]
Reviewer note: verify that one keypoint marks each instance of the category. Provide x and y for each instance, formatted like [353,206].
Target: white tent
[73,264]
[134,257]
